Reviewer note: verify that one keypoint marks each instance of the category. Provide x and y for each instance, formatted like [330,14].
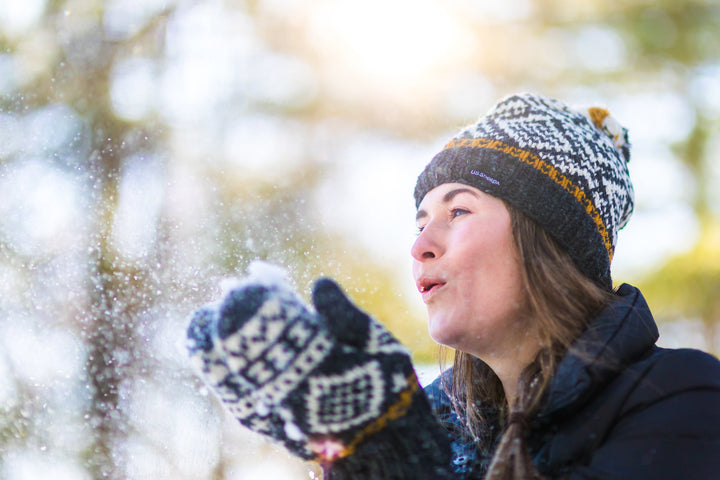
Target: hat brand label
[482,175]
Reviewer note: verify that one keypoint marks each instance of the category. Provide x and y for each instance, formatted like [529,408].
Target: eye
[420,228]
[457,211]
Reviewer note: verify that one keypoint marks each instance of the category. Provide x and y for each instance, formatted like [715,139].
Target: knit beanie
[564,168]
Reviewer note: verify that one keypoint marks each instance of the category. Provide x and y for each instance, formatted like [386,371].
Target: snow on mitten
[253,346]
[332,386]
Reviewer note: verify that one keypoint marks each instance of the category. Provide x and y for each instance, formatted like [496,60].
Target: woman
[555,374]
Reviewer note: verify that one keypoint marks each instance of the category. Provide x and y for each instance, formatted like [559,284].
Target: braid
[512,459]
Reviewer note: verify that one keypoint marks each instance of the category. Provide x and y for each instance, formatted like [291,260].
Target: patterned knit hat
[565,169]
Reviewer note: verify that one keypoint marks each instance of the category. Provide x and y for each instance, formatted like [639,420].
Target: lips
[428,286]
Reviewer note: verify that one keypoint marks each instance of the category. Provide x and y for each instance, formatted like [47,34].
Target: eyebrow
[447,198]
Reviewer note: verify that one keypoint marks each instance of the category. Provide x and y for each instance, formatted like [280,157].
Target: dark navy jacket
[625,409]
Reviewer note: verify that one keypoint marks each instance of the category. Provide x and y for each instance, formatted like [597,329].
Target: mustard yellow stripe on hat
[550,171]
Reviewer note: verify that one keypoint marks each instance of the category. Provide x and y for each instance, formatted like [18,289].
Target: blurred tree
[683,36]
[119,297]
[688,284]
[76,72]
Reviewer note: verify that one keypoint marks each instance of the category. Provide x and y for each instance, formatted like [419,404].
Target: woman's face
[467,270]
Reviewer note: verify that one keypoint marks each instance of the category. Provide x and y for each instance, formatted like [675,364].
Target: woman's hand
[323,384]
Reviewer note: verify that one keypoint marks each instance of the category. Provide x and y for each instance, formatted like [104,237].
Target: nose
[427,245]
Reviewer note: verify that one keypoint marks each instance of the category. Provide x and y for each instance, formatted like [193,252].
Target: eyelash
[454,213]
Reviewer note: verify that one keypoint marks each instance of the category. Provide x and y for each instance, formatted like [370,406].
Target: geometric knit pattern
[346,400]
[564,168]
[275,349]
[253,360]
[295,375]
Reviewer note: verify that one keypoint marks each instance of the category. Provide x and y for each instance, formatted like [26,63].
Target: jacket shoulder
[672,372]
[657,416]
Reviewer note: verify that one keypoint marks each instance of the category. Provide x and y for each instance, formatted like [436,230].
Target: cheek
[494,276]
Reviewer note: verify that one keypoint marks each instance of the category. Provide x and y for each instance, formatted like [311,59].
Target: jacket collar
[621,333]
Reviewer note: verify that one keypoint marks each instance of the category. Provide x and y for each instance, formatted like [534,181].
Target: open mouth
[428,287]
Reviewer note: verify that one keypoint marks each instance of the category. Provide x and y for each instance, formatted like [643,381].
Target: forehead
[447,191]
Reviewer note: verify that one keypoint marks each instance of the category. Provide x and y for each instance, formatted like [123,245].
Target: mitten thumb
[199,331]
[347,323]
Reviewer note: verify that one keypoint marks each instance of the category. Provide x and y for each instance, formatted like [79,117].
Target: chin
[443,335]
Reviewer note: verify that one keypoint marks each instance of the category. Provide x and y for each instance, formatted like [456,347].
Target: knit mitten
[331,385]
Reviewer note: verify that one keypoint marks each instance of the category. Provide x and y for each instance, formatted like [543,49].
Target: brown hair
[562,301]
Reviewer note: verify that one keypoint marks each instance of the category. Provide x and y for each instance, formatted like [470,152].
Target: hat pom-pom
[606,123]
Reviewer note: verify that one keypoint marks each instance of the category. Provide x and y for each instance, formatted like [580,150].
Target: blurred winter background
[150,148]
